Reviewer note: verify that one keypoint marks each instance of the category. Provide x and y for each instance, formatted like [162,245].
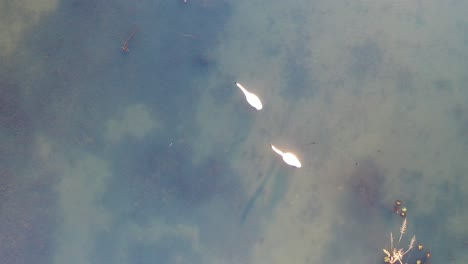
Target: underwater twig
[187,35]
[402,230]
[124,46]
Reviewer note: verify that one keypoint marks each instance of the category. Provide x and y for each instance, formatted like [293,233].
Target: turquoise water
[152,155]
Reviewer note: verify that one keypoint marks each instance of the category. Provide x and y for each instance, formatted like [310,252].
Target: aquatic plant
[395,254]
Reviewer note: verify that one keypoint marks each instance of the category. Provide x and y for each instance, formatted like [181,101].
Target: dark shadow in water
[366,183]
[359,236]
[366,60]
[277,181]
[28,217]
[167,250]
[443,86]
[251,202]
[459,113]
[15,124]
[405,81]
[299,76]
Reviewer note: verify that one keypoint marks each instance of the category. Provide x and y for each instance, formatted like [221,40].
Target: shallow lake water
[124,138]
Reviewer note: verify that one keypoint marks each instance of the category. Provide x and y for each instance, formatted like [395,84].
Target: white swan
[252,99]
[288,157]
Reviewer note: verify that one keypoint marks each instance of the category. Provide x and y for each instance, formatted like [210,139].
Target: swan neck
[277,150]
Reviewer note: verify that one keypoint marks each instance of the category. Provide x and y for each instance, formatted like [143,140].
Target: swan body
[252,99]
[288,157]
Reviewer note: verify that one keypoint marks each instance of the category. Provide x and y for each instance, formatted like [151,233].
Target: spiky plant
[395,253]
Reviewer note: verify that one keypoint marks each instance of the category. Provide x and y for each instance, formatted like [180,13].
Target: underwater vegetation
[397,253]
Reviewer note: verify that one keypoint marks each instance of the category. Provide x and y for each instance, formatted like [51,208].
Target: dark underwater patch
[167,250]
[366,60]
[299,77]
[28,217]
[362,218]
